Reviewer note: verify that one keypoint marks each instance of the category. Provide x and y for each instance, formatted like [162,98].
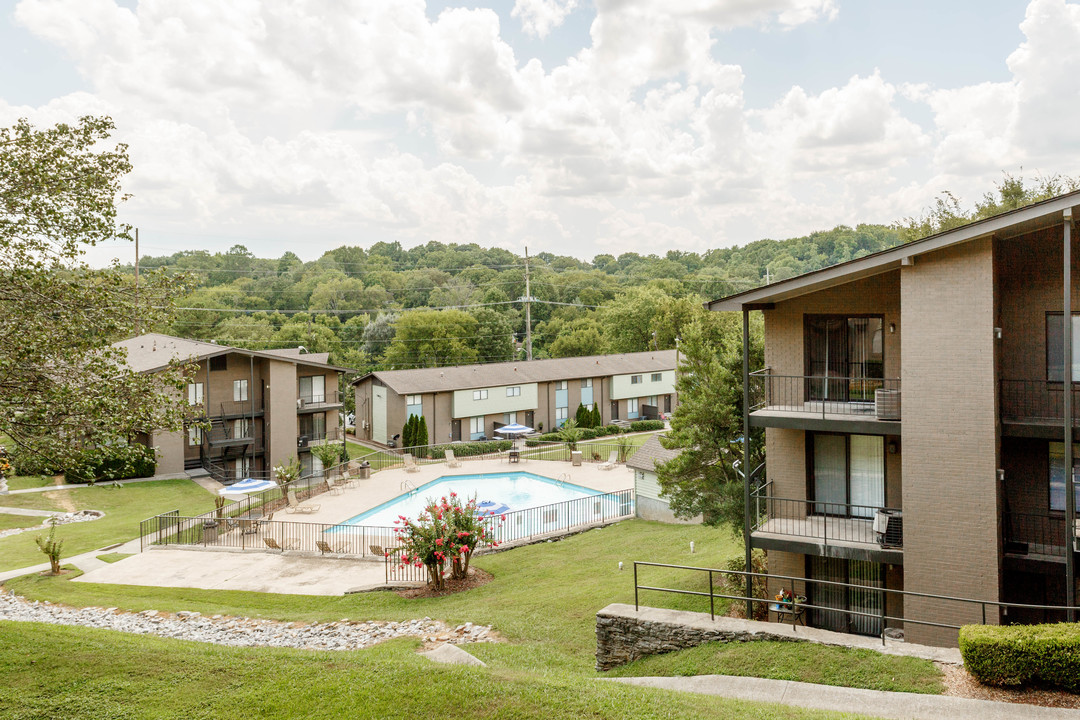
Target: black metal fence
[1034,401]
[824,521]
[825,395]
[561,517]
[983,609]
[1035,533]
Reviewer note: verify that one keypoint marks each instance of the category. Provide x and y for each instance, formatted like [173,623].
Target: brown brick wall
[1027,475]
[950,491]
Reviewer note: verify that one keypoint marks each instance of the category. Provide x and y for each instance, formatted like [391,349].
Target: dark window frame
[811,489]
[842,316]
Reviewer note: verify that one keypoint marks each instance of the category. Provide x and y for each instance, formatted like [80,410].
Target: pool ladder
[407,486]
[563,478]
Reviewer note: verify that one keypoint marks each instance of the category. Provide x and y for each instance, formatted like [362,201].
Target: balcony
[1035,408]
[824,528]
[226,409]
[1039,537]
[807,402]
[317,402]
[310,438]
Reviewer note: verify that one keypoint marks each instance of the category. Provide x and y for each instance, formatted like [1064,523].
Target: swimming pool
[495,492]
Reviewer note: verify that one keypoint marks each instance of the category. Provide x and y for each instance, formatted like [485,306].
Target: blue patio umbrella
[489,507]
[514,429]
[248,485]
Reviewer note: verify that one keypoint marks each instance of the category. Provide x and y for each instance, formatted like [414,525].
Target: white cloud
[540,17]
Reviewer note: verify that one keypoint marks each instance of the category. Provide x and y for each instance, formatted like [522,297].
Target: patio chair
[325,548]
[380,550]
[286,544]
[451,461]
[295,507]
[334,488]
[612,461]
[232,523]
[410,463]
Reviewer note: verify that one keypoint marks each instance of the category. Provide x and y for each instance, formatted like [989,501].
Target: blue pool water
[497,493]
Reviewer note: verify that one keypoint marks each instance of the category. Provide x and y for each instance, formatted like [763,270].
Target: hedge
[1023,654]
[467,449]
[115,462]
[643,425]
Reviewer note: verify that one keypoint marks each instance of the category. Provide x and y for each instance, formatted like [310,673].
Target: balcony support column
[747,470]
[1067,402]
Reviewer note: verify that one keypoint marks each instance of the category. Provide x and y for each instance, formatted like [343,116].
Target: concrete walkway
[28,512]
[75,486]
[873,703]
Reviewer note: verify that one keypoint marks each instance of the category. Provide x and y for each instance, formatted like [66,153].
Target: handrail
[810,518]
[881,616]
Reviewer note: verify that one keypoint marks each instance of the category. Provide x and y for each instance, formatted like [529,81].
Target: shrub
[612,429]
[119,461]
[644,425]
[467,449]
[446,532]
[588,433]
[736,584]
[1023,654]
[51,547]
[550,437]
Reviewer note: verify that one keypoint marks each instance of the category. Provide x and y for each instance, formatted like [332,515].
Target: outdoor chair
[451,461]
[380,550]
[611,461]
[410,463]
[295,507]
[231,524]
[350,481]
[289,544]
[325,548]
[334,488]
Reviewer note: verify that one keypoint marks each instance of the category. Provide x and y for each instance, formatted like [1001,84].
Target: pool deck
[219,568]
[388,484]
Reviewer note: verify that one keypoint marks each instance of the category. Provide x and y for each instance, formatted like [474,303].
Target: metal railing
[1034,401]
[879,616]
[820,395]
[518,525]
[312,438]
[824,521]
[1035,533]
[315,401]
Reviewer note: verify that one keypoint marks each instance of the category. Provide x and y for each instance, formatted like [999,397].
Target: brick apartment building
[469,402]
[926,381]
[264,406]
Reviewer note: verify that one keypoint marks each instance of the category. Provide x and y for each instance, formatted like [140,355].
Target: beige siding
[170,451]
[281,411]
[950,492]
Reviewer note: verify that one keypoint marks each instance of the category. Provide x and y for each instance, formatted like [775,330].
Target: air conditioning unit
[889,528]
[302,441]
[887,404]
[299,403]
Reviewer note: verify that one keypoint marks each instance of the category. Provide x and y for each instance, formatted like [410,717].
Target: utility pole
[136,281]
[528,310]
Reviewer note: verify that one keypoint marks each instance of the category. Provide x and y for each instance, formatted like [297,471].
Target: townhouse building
[469,402]
[264,407]
[919,409]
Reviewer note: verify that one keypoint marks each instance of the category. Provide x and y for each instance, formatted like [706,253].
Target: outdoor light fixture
[892,328]
[691,547]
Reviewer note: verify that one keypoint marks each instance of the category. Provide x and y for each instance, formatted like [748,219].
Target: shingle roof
[463,377]
[153,351]
[651,453]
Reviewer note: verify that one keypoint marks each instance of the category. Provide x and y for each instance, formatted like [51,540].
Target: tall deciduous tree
[433,338]
[707,427]
[64,390]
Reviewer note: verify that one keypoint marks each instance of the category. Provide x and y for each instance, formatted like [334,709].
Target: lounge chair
[451,461]
[287,544]
[231,524]
[295,507]
[334,489]
[611,461]
[380,550]
[410,463]
[324,547]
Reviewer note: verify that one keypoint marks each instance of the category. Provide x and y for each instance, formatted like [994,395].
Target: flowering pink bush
[445,533]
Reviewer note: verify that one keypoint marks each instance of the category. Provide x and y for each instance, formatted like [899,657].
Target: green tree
[421,438]
[64,389]
[578,338]
[433,338]
[707,429]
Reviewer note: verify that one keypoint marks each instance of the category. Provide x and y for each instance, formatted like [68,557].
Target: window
[219,363]
[1055,348]
[586,383]
[476,427]
[847,601]
[243,467]
[313,426]
[479,394]
[239,390]
[195,393]
[509,418]
[414,405]
[560,416]
[513,391]
[242,428]
[844,357]
[635,379]
[631,409]
[848,474]
[560,384]
[412,400]
[313,388]
[194,436]
[657,377]
[1057,475]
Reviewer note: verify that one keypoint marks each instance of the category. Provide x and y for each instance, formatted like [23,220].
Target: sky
[575,127]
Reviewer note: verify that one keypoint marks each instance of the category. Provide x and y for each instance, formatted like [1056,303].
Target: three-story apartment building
[264,407]
[914,403]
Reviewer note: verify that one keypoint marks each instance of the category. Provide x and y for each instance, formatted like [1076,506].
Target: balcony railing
[1035,534]
[317,401]
[227,408]
[827,522]
[313,438]
[1036,402]
[825,396]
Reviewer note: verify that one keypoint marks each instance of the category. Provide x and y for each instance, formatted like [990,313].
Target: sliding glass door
[848,474]
[844,602]
[844,357]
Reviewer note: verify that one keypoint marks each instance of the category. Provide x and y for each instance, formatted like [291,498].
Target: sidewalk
[874,703]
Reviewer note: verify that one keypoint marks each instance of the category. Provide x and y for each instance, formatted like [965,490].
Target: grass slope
[58,672]
[123,507]
[801,662]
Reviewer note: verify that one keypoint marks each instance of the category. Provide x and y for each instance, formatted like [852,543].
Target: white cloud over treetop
[370,121]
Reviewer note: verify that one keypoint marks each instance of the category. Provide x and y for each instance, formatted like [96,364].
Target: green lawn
[10,522]
[62,672]
[802,662]
[23,482]
[113,557]
[123,507]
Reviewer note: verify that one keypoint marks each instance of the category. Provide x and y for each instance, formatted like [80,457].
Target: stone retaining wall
[624,634]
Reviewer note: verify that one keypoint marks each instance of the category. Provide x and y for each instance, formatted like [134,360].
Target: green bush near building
[1023,654]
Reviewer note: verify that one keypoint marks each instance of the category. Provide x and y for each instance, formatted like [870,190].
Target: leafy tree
[421,438]
[570,434]
[577,339]
[433,338]
[707,428]
[583,417]
[63,386]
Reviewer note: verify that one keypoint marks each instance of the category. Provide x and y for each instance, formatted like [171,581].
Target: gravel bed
[242,632]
